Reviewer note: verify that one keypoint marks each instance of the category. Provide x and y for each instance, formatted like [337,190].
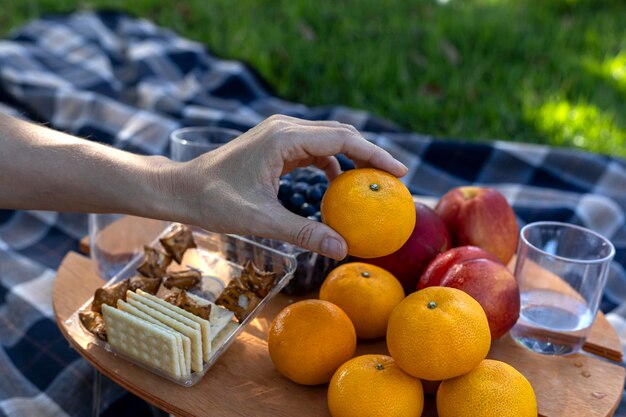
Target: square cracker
[222,336]
[183,344]
[177,312]
[142,341]
[180,324]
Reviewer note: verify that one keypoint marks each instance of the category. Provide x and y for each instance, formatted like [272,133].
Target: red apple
[429,238]
[437,269]
[480,217]
[482,276]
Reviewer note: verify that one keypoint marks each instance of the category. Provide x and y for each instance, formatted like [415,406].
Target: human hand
[234,188]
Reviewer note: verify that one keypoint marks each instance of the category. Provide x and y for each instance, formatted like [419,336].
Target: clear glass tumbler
[115,239]
[190,142]
[561,270]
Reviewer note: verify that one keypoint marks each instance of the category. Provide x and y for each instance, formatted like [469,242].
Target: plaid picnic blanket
[123,81]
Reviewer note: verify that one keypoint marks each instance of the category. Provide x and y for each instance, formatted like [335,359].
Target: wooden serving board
[244,382]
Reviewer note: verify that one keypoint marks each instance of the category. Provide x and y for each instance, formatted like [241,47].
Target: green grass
[546,71]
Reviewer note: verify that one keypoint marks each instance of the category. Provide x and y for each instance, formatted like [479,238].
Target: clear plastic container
[227,254]
[311,270]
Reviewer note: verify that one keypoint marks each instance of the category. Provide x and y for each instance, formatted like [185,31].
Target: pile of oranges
[435,334]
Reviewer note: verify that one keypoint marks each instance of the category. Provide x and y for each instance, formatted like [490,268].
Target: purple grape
[296,201]
[318,179]
[345,163]
[307,210]
[302,176]
[285,189]
[314,194]
[301,187]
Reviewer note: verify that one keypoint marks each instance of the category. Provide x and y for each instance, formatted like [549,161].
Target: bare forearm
[232,189]
[47,170]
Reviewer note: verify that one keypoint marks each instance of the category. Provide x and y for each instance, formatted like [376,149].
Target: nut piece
[187,304]
[149,285]
[169,295]
[109,295]
[177,241]
[245,292]
[261,282]
[94,322]
[179,298]
[239,300]
[184,279]
[154,263]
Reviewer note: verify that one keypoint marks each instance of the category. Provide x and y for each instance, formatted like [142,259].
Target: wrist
[158,197]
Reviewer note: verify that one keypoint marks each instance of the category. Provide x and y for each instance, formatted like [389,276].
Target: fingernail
[332,247]
[401,165]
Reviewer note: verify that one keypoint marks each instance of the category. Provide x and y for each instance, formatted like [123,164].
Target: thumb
[308,234]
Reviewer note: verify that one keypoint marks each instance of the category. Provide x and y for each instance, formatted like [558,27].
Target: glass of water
[561,270]
[190,142]
[116,239]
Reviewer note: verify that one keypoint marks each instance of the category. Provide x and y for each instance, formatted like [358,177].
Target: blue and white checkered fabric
[126,82]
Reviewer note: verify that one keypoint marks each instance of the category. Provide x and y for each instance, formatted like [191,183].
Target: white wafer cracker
[222,336]
[218,318]
[176,312]
[142,341]
[183,344]
[180,347]
[181,324]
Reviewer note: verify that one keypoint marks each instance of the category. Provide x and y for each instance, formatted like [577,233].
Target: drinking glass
[561,270]
[190,142]
[116,239]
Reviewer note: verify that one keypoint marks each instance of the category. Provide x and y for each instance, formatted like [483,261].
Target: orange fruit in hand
[374,386]
[438,333]
[366,293]
[492,389]
[371,209]
[309,340]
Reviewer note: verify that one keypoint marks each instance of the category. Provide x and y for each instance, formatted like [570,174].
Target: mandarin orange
[374,386]
[309,340]
[366,293]
[492,389]
[371,209]
[438,333]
